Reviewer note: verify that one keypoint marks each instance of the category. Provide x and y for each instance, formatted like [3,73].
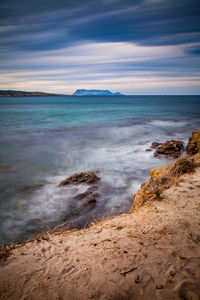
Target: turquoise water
[45,139]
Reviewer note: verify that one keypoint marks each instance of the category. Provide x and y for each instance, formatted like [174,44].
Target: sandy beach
[153,252]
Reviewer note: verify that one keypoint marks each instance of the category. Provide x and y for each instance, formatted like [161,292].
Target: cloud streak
[141,46]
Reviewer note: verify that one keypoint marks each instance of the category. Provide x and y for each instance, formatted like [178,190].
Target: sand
[151,253]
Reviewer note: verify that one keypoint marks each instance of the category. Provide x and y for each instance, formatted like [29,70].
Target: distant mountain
[11,93]
[95,93]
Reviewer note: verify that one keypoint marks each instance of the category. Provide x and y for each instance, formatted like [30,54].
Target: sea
[43,140]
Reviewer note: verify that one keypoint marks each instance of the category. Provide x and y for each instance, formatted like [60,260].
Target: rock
[170,148]
[155,145]
[193,145]
[157,171]
[90,202]
[88,205]
[89,196]
[151,188]
[148,150]
[77,178]
[90,191]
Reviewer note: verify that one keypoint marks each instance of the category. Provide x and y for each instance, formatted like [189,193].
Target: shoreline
[150,252]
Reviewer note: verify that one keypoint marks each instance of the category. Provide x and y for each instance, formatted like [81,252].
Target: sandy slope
[153,253]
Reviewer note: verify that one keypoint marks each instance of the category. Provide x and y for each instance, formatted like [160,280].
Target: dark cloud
[61,23]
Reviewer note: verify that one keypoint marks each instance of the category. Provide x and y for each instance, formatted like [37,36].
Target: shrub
[183,166]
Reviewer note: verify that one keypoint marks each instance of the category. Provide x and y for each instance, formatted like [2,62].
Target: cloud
[102,65]
[69,44]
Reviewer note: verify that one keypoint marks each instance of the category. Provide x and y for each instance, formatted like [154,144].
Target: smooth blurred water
[45,139]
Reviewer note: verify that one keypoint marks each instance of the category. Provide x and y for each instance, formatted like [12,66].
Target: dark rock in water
[193,146]
[88,205]
[90,191]
[155,145]
[90,202]
[86,178]
[170,148]
[33,188]
[148,150]
[90,196]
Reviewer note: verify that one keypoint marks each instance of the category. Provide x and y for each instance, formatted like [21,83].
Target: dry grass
[6,250]
[183,166]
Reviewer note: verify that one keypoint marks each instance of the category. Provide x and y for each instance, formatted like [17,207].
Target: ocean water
[45,139]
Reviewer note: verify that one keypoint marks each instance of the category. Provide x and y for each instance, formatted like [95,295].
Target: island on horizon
[80,92]
[12,93]
[83,92]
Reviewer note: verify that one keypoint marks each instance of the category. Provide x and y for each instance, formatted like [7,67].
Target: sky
[131,46]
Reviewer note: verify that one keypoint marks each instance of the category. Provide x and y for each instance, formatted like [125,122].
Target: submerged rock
[78,178]
[193,146]
[33,188]
[170,148]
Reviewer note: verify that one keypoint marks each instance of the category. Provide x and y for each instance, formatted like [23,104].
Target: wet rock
[88,205]
[77,178]
[155,145]
[90,191]
[89,197]
[91,201]
[170,148]
[193,146]
[148,150]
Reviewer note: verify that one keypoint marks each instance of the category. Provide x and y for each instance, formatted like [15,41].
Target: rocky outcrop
[155,145]
[170,148]
[89,196]
[152,189]
[164,177]
[78,178]
[193,145]
[90,192]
